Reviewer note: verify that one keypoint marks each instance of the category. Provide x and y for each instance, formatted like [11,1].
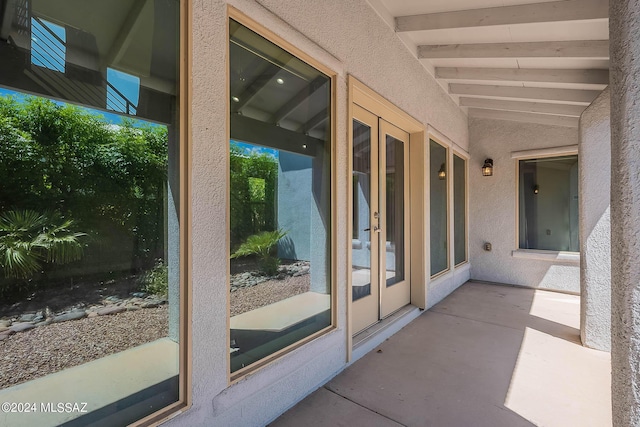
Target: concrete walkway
[485,356]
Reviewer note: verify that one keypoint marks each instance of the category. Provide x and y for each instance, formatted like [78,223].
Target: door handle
[376,229]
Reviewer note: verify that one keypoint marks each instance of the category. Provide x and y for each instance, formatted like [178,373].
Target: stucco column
[624,31]
[595,228]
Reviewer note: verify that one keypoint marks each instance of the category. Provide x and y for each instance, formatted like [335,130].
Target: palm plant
[28,239]
[261,244]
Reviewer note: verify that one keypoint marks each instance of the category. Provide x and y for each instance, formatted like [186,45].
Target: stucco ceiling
[541,62]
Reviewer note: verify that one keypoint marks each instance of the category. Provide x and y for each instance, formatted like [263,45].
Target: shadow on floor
[485,356]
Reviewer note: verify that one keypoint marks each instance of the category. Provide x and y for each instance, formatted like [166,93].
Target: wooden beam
[529,107]
[125,34]
[545,119]
[257,132]
[265,76]
[599,77]
[596,49]
[289,106]
[314,121]
[566,95]
[568,10]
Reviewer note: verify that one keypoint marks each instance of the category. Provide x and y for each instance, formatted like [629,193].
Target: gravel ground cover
[52,348]
[268,292]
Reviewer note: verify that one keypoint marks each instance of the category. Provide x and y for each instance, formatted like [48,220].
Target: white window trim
[545,152]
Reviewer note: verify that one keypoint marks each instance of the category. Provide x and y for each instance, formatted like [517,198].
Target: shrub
[156,280]
[261,244]
[28,239]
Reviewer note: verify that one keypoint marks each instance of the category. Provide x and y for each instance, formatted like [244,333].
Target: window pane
[280,198]
[361,251]
[438,185]
[459,210]
[89,209]
[395,211]
[548,202]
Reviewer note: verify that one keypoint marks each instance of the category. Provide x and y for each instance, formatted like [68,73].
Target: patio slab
[485,356]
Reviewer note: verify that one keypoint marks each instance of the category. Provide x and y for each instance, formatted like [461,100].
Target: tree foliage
[110,180]
[253,193]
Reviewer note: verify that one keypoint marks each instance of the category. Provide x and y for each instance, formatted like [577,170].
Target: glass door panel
[394,152]
[394,208]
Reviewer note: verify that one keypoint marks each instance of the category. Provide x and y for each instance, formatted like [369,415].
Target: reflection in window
[89,209]
[123,91]
[438,201]
[394,209]
[548,203]
[48,44]
[361,253]
[459,210]
[280,198]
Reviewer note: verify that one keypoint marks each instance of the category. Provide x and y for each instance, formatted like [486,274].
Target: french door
[380,249]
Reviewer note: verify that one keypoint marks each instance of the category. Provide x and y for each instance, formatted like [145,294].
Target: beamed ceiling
[541,62]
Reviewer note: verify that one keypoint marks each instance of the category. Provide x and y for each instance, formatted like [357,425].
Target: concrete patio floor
[487,355]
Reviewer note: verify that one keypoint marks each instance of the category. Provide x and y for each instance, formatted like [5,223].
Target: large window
[548,203]
[280,212]
[438,177]
[90,252]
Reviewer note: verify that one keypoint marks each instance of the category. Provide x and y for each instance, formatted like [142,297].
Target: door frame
[362,95]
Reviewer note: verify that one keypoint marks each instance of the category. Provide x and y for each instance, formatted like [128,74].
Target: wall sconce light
[536,189]
[442,173]
[487,168]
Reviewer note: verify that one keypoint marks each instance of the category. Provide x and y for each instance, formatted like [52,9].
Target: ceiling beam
[517,116]
[525,106]
[255,131]
[596,49]
[125,34]
[314,122]
[567,10]
[599,77]
[566,95]
[299,98]
[253,87]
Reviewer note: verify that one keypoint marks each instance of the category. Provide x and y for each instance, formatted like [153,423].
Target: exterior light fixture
[487,168]
[280,81]
[235,99]
[442,173]
[536,189]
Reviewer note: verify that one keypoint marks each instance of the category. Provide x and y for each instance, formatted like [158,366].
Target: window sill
[102,383]
[552,256]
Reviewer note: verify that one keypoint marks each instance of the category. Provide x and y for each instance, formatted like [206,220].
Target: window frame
[253,25]
[540,254]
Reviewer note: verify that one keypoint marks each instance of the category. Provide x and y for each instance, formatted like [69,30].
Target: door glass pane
[438,186]
[394,246]
[361,247]
[459,210]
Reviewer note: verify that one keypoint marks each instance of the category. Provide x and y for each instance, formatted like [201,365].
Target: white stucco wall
[595,224]
[493,204]
[624,78]
[348,37]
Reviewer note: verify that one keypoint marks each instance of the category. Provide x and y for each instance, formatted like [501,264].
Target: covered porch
[487,355]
